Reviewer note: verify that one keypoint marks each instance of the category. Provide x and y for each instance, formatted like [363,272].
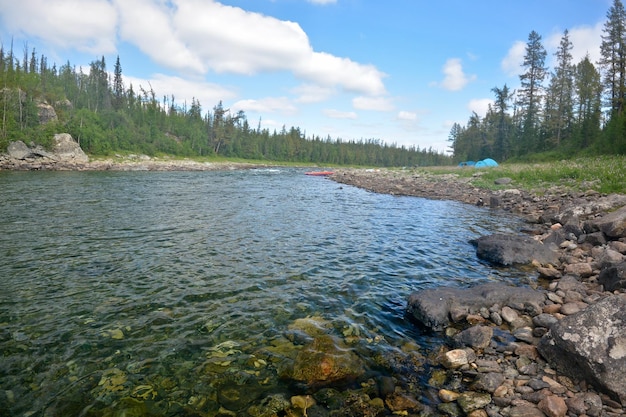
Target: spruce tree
[559,104]
[613,57]
[118,86]
[531,92]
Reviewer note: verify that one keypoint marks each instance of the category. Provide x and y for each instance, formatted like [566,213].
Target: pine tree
[531,91]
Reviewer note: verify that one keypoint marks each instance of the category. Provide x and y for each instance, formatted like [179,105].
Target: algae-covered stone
[471,401]
[324,361]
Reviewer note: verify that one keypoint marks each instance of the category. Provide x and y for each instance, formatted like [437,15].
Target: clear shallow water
[160,286]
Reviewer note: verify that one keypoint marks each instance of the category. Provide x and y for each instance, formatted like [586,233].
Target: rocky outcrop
[46,113]
[65,153]
[507,250]
[438,308]
[591,346]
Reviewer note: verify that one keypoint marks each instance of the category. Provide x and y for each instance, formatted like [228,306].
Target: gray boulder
[18,150]
[591,346]
[612,225]
[67,149]
[432,307]
[509,250]
[614,277]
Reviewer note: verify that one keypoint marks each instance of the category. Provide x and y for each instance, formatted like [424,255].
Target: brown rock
[553,406]
[448,396]
[549,272]
[454,359]
[573,308]
[402,402]
[581,269]
[526,411]
[552,308]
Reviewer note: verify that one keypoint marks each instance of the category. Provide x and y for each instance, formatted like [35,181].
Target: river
[153,288]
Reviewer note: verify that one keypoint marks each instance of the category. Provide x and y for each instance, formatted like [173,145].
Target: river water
[154,288]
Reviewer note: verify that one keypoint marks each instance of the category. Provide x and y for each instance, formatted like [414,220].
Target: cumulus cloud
[480,106]
[192,37]
[454,77]
[407,116]
[88,25]
[337,114]
[585,40]
[312,93]
[372,103]
[150,26]
[512,62]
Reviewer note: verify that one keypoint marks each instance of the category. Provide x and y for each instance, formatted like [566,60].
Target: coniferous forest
[105,116]
[574,108]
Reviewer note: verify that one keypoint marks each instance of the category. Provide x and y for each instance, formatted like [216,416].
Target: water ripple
[147,272]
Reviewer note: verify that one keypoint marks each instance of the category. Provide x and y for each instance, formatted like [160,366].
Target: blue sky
[400,70]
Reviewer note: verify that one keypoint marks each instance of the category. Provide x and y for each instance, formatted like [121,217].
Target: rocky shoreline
[554,348]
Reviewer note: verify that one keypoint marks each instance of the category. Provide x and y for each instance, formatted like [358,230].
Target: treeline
[574,108]
[106,117]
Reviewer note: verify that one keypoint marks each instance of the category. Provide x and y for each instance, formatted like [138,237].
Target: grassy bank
[605,174]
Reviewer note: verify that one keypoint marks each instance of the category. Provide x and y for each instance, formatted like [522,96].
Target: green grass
[605,174]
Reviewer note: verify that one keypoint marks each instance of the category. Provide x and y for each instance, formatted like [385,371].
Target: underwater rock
[324,361]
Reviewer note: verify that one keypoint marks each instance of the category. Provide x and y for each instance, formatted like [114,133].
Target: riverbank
[507,353]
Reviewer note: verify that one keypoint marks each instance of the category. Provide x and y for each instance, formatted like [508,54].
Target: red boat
[319,173]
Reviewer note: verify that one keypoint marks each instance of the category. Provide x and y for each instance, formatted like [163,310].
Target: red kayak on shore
[319,173]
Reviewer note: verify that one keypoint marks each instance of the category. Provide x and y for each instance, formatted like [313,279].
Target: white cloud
[322,2]
[88,25]
[512,62]
[312,93]
[372,103]
[329,70]
[480,106]
[337,114]
[192,37]
[230,39]
[151,28]
[585,40]
[455,79]
[266,105]
[407,116]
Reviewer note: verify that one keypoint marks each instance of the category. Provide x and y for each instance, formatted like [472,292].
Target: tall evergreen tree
[504,125]
[588,92]
[531,92]
[559,98]
[118,86]
[613,57]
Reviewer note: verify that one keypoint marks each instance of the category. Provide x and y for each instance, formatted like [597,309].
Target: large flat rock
[507,250]
[432,307]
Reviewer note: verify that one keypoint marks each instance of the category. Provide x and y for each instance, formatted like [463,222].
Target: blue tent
[486,163]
